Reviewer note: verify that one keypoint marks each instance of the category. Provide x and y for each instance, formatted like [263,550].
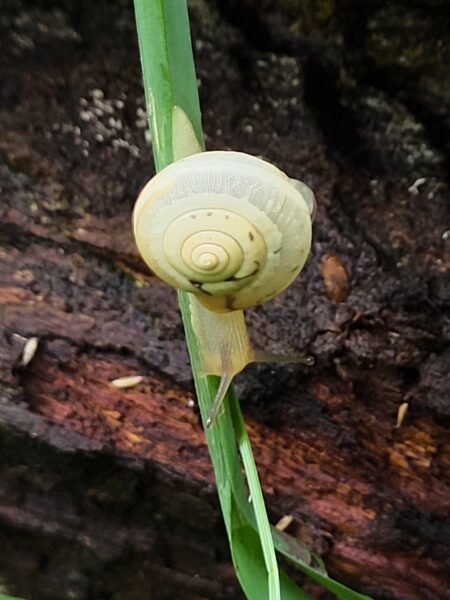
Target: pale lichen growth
[101,123]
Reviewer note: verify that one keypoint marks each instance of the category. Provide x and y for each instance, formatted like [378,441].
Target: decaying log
[109,493]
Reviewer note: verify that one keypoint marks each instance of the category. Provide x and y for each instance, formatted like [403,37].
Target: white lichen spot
[414,188]
[85,116]
[97,94]
[141,113]
[115,123]
[101,123]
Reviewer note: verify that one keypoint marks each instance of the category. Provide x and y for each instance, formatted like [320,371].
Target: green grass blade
[174,116]
[260,510]
[169,82]
[168,71]
[245,544]
[292,549]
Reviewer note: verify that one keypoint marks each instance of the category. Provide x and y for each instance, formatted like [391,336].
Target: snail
[232,230]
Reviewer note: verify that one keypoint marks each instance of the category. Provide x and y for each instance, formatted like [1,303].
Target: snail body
[234,231]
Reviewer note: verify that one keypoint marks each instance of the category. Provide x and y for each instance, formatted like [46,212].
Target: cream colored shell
[226,226]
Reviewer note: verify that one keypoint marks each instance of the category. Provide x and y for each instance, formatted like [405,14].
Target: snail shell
[226,226]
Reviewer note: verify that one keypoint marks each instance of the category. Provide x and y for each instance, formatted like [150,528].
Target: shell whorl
[211,246]
[226,226]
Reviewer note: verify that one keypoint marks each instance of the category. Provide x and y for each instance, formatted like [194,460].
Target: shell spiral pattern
[226,226]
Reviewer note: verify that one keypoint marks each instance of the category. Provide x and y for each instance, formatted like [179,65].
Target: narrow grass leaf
[170,87]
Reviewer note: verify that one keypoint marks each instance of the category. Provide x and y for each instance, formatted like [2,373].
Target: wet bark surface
[108,493]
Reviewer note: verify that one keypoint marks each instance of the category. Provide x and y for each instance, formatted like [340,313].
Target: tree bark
[109,493]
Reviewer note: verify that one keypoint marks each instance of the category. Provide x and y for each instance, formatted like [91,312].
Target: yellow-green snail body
[234,231]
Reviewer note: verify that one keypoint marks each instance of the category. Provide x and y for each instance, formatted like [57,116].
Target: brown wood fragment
[126,382]
[284,522]
[401,414]
[29,350]
[335,278]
